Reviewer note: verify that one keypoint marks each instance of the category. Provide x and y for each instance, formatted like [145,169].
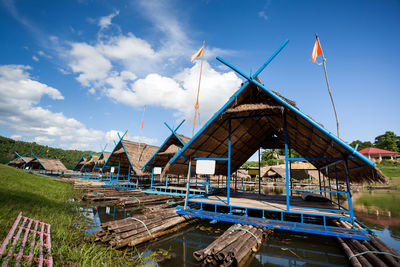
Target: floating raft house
[257,117]
[127,158]
[80,164]
[161,183]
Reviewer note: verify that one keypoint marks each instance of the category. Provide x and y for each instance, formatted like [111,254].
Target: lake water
[282,248]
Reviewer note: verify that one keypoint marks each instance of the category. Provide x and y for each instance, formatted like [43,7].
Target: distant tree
[389,141]
[361,144]
[269,154]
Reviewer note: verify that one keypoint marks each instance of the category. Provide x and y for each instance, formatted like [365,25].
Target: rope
[375,252]
[145,226]
[242,229]
[133,197]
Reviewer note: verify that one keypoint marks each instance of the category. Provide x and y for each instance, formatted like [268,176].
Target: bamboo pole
[327,83]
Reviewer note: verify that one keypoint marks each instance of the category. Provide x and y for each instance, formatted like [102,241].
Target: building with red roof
[377,154]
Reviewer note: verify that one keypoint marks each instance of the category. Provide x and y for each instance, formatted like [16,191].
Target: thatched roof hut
[101,161]
[299,171]
[90,163]
[129,155]
[167,150]
[20,161]
[46,164]
[80,164]
[256,118]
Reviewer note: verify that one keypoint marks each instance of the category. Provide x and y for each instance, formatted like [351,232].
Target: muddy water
[282,248]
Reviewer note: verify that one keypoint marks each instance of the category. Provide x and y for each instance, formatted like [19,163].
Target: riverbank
[49,201]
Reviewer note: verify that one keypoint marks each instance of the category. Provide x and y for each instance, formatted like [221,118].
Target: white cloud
[137,72]
[178,93]
[105,21]
[35,58]
[89,62]
[20,96]
[262,15]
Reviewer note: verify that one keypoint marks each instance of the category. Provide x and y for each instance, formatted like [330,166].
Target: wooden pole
[196,107]
[327,84]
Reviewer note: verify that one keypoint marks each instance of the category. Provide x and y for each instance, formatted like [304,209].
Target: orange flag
[141,125]
[197,54]
[316,51]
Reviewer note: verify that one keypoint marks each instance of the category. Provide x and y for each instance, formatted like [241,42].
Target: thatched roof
[128,153]
[166,151]
[257,120]
[20,161]
[80,164]
[102,159]
[46,164]
[90,163]
[279,172]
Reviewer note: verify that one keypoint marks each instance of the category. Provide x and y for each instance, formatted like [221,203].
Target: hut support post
[329,183]
[286,163]
[152,177]
[166,181]
[337,187]
[259,171]
[346,169]
[290,171]
[119,168]
[319,178]
[228,182]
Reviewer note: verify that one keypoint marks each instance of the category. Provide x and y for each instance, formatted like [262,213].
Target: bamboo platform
[272,202]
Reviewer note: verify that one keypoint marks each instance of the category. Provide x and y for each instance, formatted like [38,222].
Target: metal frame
[196,207]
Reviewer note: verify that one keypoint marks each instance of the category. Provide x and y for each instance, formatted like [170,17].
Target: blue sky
[74,73]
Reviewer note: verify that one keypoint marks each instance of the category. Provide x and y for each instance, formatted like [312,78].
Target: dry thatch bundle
[129,154]
[256,117]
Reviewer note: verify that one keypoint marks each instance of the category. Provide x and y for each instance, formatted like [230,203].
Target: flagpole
[141,128]
[327,83]
[196,107]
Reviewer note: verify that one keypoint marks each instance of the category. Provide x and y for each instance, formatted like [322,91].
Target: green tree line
[8,147]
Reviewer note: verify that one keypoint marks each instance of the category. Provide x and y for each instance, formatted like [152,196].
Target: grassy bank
[49,201]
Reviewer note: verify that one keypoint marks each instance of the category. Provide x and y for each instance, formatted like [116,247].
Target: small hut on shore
[46,164]
[19,162]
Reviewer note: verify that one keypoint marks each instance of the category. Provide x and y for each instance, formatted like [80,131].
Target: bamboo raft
[142,228]
[368,253]
[234,247]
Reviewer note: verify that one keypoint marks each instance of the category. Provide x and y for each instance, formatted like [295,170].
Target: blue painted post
[286,164]
[166,181]
[188,185]
[119,167]
[229,164]
[329,183]
[337,187]
[346,168]
[129,174]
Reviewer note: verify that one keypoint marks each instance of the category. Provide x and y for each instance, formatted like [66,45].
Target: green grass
[387,200]
[48,201]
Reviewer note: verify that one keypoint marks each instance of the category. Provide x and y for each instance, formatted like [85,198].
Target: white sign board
[157,170]
[205,166]
[112,169]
